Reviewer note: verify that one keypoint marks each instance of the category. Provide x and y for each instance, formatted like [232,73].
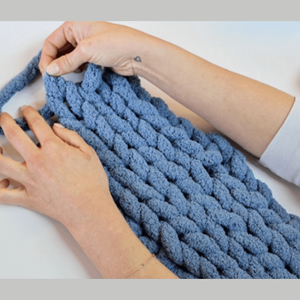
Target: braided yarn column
[190,197]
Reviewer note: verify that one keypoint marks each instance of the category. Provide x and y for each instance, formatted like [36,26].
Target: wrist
[150,57]
[101,209]
[108,241]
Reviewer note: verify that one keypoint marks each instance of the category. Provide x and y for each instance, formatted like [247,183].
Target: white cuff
[282,155]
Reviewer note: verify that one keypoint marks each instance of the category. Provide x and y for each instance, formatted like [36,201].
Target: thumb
[71,137]
[67,63]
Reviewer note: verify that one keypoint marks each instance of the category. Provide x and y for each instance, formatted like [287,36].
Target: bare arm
[112,246]
[65,180]
[247,111]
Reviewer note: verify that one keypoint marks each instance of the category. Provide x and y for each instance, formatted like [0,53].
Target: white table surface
[34,246]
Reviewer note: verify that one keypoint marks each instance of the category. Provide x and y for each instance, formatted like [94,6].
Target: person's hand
[101,43]
[63,179]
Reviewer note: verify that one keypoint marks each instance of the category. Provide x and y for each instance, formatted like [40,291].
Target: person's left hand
[63,179]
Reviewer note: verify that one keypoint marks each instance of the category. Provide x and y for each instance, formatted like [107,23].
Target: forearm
[247,111]
[112,246]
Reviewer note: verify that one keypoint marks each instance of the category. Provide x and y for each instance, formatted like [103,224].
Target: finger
[13,196]
[37,124]
[68,63]
[60,37]
[65,49]
[4,183]
[12,169]
[81,68]
[17,137]
[71,137]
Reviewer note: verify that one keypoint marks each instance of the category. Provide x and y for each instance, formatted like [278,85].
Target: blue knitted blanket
[188,196]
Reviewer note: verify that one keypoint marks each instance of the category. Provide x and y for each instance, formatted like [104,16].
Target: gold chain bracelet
[140,266]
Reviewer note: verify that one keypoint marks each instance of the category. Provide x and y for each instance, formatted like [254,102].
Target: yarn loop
[189,197]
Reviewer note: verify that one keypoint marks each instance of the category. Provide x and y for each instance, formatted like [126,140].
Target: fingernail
[52,69]
[58,125]
[22,108]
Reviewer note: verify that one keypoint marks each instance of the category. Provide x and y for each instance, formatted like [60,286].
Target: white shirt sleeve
[282,155]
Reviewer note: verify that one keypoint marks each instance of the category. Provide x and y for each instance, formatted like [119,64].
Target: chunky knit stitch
[188,196]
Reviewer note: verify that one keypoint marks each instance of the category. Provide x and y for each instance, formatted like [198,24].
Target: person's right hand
[101,43]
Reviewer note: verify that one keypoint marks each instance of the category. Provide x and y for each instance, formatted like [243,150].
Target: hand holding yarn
[63,179]
[189,197]
[101,43]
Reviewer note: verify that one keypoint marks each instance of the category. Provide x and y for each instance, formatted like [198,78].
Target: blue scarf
[188,196]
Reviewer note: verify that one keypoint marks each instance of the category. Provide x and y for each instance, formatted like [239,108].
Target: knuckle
[47,43]
[33,158]
[50,144]
[67,61]
[34,121]
[11,133]
[68,24]
[83,49]
[38,163]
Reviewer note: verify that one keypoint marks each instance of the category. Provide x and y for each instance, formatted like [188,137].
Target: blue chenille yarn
[188,196]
